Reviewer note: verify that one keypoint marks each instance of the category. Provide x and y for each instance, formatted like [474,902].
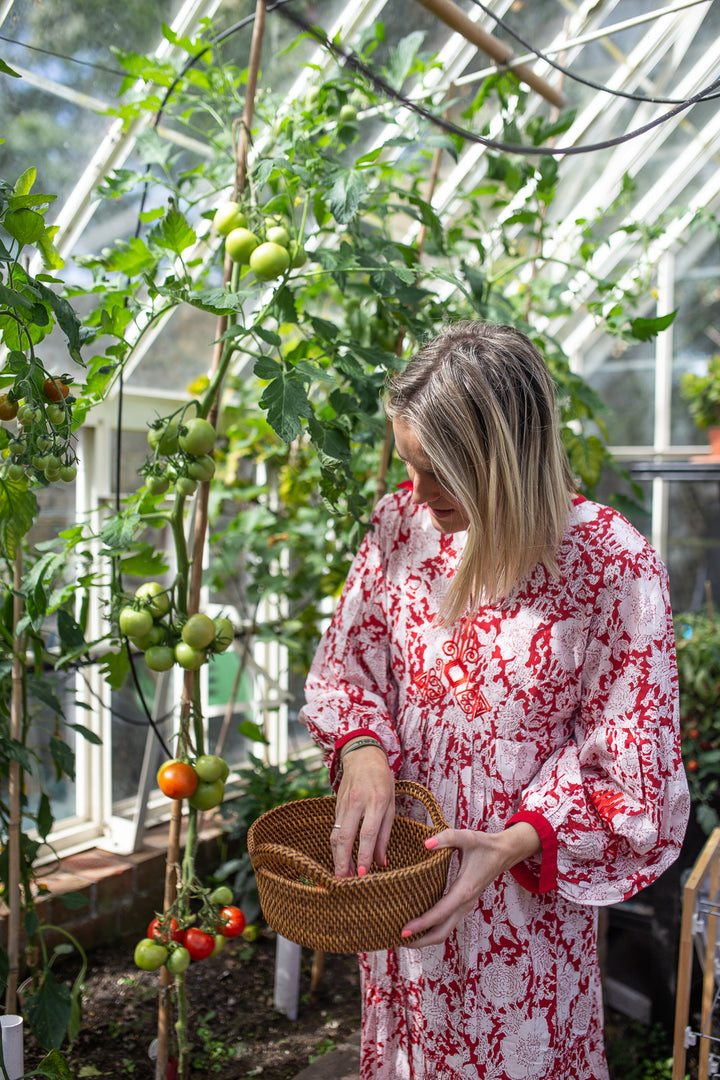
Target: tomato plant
[199,944]
[177,779]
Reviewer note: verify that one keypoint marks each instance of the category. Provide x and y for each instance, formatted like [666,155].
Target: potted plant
[702,393]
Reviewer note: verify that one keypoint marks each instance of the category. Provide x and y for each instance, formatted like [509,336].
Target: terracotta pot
[714,440]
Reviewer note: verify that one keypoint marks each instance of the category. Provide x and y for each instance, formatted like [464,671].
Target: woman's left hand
[483,857]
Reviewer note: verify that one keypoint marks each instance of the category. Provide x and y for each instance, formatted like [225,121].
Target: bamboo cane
[15,785]
[199,534]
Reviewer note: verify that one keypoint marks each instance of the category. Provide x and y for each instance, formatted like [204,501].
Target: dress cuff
[339,743]
[524,873]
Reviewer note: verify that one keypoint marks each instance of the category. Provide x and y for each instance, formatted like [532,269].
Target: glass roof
[648,56]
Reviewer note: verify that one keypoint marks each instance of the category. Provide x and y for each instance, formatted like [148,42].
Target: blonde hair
[481,402]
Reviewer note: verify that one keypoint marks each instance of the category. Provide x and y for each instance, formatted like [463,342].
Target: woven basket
[302,899]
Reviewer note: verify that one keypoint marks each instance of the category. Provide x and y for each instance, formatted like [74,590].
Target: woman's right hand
[365,802]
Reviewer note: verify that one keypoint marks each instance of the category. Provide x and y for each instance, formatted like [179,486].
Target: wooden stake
[15,791]
[457,20]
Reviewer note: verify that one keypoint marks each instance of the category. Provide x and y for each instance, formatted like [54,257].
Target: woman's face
[446,514]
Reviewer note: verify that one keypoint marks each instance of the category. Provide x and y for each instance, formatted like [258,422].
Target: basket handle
[411,787]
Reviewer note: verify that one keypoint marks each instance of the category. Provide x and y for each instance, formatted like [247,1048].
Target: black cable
[353,61]
[566,71]
[62,56]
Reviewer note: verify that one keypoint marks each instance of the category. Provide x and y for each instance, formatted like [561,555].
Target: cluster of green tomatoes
[38,445]
[167,943]
[187,446]
[148,622]
[269,248]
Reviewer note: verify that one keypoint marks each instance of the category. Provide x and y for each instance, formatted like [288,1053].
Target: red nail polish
[406,933]
[431,842]
[361,871]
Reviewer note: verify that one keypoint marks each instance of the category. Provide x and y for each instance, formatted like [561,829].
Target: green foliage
[697,637]
[702,393]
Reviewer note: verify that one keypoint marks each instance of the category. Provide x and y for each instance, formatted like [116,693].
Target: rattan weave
[302,899]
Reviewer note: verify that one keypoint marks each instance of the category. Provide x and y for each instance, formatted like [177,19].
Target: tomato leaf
[48,1011]
[18,509]
[346,195]
[644,329]
[63,758]
[173,233]
[286,401]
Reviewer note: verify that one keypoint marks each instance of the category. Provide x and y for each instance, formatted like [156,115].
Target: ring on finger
[336,827]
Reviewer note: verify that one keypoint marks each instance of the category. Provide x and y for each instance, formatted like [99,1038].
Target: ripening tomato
[8,409]
[156,933]
[223,894]
[197,436]
[55,389]
[232,922]
[178,960]
[135,623]
[207,795]
[220,943]
[177,779]
[199,944]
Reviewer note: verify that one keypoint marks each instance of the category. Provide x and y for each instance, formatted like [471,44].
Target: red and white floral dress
[558,707]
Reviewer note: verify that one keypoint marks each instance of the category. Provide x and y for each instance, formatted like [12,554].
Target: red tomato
[177,779]
[156,933]
[199,944]
[55,389]
[232,922]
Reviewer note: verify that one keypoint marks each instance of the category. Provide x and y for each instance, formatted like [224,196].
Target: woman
[509,645]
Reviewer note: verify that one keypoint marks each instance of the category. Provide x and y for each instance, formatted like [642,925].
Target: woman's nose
[425,488]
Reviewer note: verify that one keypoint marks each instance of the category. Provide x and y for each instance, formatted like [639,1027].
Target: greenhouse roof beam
[457,20]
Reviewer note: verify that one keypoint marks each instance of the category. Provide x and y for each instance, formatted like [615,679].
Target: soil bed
[236,1031]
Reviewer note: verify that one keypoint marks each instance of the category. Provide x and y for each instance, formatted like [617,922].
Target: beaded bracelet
[357,744]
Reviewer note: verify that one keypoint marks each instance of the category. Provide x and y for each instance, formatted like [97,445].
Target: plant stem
[15,786]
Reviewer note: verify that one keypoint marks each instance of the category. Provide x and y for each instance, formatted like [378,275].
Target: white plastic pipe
[287,977]
[12,1046]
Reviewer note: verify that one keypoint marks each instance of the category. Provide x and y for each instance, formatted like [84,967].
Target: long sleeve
[350,687]
[611,805]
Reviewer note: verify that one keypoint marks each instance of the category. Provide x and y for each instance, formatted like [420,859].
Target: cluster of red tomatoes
[269,249]
[202,783]
[176,947]
[187,446]
[148,622]
[39,446]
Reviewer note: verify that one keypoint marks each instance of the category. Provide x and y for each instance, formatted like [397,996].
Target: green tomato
[185,485]
[348,113]
[210,767]
[164,438]
[203,468]
[15,472]
[269,261]
[56,415]
[240,243]
[278,234]
[68,473]
[150,955]
[197,437]
[207,795]
[159,657]
[222,895]
[189,658]
[229,216]
[52,473]
[135,623]
[198,631]
[155,636]
[224,634]
[28,415]
[178,960]
[157,484]
[219,945]
[153,598]
[299,257]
